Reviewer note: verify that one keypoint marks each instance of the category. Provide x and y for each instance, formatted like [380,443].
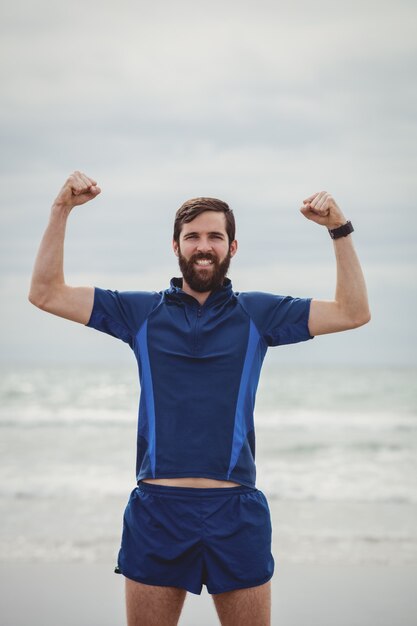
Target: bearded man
[196,516]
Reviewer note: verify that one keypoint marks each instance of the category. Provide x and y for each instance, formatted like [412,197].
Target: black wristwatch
[342,231]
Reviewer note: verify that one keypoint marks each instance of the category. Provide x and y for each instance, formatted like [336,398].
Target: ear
[175,247]
[233,248]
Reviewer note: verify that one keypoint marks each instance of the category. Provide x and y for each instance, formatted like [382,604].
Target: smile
[204,262]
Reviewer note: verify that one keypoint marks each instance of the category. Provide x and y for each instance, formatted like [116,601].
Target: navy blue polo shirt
[199,369]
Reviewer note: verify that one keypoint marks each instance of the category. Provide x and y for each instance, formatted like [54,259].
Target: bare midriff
[191,482]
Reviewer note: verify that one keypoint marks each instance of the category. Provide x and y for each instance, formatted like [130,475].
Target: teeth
[204,262]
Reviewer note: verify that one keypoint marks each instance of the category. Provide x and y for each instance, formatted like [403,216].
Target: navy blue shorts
[189,537]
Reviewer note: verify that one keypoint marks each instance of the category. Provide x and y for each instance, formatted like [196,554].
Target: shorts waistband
[194,491]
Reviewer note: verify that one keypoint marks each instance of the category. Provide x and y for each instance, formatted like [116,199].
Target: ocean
[336,456]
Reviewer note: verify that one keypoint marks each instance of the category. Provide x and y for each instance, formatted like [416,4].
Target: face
[204,252]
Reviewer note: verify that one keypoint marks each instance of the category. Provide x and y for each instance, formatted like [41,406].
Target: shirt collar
[218,295]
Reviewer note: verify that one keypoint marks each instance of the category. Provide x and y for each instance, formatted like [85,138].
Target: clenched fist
[78,189]
[322,209]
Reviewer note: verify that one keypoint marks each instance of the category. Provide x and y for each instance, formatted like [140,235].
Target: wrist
[341,231]
[337,222]
[60,209]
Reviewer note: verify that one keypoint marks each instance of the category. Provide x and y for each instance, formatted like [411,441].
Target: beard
[202,280]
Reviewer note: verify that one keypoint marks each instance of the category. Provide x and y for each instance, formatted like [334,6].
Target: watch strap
[341,231]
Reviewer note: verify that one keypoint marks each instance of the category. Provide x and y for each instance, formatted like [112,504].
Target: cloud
[259,105]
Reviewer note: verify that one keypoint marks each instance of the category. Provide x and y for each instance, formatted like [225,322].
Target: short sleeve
[280,320]
[121,314]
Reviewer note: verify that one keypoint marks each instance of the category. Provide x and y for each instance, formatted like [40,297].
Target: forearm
[48,271]
[351,293]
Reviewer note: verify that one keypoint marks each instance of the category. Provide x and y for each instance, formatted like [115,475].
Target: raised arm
[48,290]
[350,307]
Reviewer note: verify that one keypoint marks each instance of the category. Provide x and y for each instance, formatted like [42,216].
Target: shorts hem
[155,584]
[245,586]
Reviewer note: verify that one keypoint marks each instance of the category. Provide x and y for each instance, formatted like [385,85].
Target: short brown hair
[192,209]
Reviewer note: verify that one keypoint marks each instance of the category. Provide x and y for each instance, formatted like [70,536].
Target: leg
[150,605]
[245,607]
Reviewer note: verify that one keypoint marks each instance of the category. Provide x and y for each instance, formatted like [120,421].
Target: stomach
[191,482]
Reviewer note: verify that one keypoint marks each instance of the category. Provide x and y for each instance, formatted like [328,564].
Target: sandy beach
[303,595]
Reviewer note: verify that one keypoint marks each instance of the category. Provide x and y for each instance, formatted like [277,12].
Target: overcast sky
[260,104]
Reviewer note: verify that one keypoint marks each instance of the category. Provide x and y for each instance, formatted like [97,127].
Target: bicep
[72,303]
[325,317]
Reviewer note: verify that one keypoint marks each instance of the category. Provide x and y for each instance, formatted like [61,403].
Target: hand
[77,190]
[322,209]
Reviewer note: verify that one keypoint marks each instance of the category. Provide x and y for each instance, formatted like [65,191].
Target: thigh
[245,607]
[151,605]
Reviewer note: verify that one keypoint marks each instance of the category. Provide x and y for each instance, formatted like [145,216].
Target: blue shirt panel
[196,364]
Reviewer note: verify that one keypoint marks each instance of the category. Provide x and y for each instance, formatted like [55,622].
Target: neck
[201,297]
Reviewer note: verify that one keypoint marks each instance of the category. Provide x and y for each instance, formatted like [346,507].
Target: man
[196,516]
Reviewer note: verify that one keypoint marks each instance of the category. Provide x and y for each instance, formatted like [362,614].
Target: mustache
[203,255]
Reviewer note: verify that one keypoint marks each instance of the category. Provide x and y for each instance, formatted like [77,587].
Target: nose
[204,245]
